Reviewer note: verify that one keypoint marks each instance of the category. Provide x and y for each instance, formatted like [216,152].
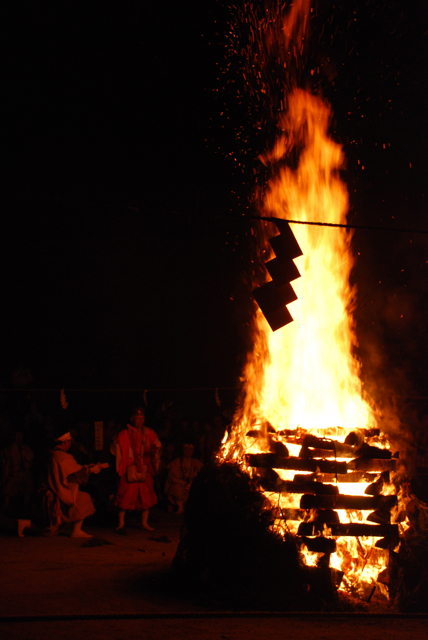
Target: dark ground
[294,628]
[61,580]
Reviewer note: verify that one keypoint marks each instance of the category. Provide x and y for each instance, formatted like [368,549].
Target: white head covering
[66,436]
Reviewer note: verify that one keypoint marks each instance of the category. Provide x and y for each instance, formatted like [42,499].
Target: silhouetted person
[181,473]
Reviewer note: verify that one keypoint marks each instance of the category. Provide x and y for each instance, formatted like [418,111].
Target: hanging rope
[242,217]
[342,226]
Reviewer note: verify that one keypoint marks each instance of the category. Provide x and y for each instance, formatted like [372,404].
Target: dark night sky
[115,152]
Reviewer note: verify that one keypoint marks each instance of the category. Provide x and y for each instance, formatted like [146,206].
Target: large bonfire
[305,373]
[303,379]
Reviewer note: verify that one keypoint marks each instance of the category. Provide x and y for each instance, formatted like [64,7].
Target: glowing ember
[304,378]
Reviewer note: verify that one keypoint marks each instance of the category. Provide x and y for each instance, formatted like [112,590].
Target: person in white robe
[181,473]
[66,504]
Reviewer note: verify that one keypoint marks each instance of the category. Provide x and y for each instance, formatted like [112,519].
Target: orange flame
[306,375]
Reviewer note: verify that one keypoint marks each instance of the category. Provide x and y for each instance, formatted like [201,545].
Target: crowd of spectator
[27,436]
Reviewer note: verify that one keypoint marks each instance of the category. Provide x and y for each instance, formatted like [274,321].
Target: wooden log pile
[272,461]
[324,460]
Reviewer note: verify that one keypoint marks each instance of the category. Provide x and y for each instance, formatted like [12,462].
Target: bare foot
[81,534]
[147,527]
[23,524]
[121,531]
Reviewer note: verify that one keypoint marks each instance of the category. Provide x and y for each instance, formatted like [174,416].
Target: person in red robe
[137,450]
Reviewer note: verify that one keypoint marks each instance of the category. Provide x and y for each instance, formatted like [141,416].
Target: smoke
[391,319]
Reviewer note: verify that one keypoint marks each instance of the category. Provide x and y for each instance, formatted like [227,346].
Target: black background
[115,272]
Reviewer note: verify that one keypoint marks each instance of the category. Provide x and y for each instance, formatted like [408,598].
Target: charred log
[352,476]
[341,452]
[310,501]
[337,576]
[326,516]
[365,452]
[364,464]
[254,433]
[269,480]
[383,543]
[269,428]
[371,433]
[270,460]
[278,448]
[380,516]
[369,452]
[355,437]
[375,488]
[353,529]
[319,544]
[274,446]
[289,486]
[337,449]
[297,435]
[293,435]
[259,433]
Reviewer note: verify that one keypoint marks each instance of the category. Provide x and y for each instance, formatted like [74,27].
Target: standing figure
[181,473]
[65,503]
[137,450]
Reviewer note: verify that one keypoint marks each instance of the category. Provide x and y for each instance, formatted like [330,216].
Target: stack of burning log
[323,499]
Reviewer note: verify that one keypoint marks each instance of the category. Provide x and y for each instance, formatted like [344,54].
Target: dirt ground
[60,576]
[221,629]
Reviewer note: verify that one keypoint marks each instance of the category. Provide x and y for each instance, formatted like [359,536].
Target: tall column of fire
[302,381]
